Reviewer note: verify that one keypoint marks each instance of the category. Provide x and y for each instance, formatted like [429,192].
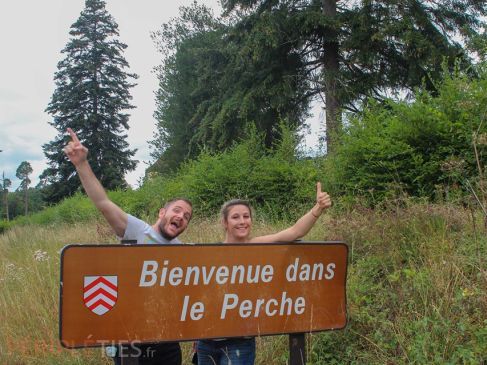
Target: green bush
[275,181]
[278,182]
[424,148]
[75,209]
[4,225]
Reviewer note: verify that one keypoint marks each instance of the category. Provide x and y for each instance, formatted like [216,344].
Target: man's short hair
[174,200]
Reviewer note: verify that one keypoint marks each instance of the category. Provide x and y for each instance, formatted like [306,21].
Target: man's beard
[164,234]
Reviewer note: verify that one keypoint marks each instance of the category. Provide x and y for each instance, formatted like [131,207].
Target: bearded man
[172,220]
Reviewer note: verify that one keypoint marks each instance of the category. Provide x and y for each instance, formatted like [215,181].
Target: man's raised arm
[77,154]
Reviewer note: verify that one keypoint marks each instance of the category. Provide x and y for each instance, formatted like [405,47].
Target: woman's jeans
[234,351]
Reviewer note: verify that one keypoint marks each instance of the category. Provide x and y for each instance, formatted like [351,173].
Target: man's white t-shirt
[143,233]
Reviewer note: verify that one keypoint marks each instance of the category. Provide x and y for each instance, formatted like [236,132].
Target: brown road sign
[155,293]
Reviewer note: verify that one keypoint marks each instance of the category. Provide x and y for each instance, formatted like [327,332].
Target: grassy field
[416,288]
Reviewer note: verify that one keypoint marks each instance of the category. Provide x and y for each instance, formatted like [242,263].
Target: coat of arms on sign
[100,293]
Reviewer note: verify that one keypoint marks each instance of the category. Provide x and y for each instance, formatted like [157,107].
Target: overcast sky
[32,35]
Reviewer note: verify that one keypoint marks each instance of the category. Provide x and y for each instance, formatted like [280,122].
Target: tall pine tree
[91,97]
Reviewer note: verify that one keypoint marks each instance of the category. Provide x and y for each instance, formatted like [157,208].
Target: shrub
[277,182]
[4,225]
[417,148]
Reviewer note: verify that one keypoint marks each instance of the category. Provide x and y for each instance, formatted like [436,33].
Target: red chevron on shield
[100,293]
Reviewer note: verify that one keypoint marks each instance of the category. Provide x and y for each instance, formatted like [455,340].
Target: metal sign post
[297,349]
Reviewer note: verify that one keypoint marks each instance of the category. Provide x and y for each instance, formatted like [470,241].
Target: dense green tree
[371,48]
[190,45]
[266,60]
[91,97]
[22,173]
[214,83]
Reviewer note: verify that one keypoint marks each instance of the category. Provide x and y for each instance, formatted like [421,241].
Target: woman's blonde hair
[231,203]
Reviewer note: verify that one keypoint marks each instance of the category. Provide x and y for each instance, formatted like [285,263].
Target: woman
[237,221]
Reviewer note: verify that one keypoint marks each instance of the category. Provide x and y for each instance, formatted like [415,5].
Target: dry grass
[416,286]
[29,287]
[412,269]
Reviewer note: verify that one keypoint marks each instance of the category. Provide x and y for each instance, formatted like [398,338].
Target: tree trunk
[331,73]
[26,200]
[6,203]
[5,194]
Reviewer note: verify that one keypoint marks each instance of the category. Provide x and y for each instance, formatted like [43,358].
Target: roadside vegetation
[415,289]
[410,198]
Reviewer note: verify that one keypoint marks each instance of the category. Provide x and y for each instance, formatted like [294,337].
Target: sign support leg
[297,349]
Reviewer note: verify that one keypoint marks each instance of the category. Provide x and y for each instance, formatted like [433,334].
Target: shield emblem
[100,293]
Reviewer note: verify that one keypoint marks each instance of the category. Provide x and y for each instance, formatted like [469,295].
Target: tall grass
[29,287]
[416,288]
